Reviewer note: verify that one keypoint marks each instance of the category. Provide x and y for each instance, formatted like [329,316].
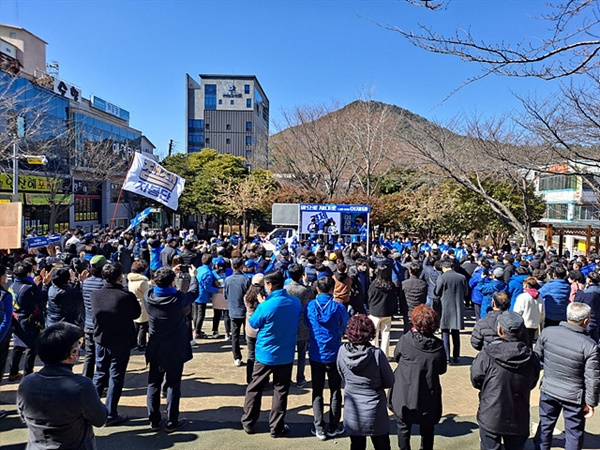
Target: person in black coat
[414,290]
[505,372]
[168,344]
[383,304]
[65,302]
[486,329]
[113,311]
[416,396]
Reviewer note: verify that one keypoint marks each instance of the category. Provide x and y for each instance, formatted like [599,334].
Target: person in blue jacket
[555,295]
[479,276]
[515,284]
[326,321]
[276,320]
[207,285]
[487,289]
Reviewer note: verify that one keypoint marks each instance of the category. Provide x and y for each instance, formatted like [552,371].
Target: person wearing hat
[92,283]
[487,287]
[65,302]
[505,372]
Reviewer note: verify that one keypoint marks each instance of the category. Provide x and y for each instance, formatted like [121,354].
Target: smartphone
[184,268]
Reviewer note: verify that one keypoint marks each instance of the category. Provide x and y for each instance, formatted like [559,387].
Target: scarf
[164,291]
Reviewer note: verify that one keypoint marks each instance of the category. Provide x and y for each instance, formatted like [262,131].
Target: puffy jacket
[485,330]
[476,296]
[505,372]
[138,284]
[88,286]
[571,367]
[276,320]
[515,288]
[206,284]
[415,292]
[487,289]
[531,308]
[65,304]
[326,321]
[555,294]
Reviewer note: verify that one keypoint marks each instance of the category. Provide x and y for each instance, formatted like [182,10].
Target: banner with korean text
[148,178]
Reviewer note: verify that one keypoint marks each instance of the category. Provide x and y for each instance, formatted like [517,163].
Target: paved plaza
[212,398]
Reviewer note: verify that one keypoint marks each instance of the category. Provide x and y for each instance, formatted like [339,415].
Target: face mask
[265,289]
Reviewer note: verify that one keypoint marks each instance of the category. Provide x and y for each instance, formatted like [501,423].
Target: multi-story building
[229,113]
[63,123]
[571,203]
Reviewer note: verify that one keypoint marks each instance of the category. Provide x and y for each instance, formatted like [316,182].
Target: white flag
[148,178]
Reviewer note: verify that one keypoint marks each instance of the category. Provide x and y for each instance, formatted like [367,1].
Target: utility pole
[170,147]
[19,134]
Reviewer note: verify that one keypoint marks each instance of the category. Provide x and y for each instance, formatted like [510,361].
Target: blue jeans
[111,366]
[550,409]
[301,347]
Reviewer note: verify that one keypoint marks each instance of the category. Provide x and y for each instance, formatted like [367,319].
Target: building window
[248,140]
[86,209]
[557,211]
[248,154]
[246,89]
[210,96]
[195,125]
[207,126]
[12,35]
[228,127]
[231,102]
[558,182]
[220,101]
[587,212]
[228,141]
[197,138]
[248,126]
[207,140]
[248,103]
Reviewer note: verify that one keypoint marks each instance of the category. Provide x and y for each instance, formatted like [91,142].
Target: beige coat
[138,284]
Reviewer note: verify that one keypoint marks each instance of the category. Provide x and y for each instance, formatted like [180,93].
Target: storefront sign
[109,108]
[28,183]
[44,199]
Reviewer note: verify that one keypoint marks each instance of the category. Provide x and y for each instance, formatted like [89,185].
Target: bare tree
[571,45]
[372,127]
[477,161]
[68,153]
[314,150]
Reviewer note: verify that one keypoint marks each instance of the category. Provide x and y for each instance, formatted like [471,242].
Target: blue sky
[136,53]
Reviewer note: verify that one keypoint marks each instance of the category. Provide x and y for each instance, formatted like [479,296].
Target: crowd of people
[328,303]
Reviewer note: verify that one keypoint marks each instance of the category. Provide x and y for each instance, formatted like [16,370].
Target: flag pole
[112,220]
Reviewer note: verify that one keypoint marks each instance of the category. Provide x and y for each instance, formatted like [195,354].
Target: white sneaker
[318,434]
[237,362]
